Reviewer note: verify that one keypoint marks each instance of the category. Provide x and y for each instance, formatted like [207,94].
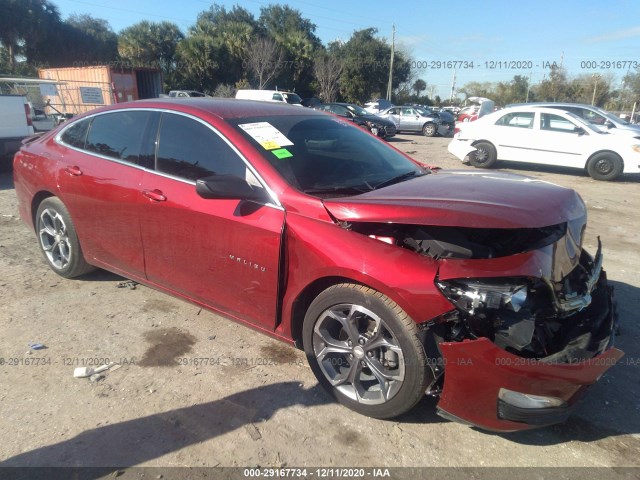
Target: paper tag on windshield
[268,136]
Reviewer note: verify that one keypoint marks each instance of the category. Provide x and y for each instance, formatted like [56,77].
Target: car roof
[557,104]
[225,108]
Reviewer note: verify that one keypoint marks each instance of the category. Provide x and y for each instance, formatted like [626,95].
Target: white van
[270,96]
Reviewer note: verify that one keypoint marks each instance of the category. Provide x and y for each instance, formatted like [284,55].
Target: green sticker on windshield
[282,153]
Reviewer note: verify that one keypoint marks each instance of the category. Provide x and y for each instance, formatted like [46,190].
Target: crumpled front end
[518,351]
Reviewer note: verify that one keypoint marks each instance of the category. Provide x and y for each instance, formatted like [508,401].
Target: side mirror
[229,187]
[609,124]
[579,130]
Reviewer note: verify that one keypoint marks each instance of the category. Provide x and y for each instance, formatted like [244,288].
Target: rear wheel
[58,240]
[484,157]
[605,166]
[364,349]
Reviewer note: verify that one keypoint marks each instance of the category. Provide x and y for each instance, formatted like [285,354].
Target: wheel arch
[482,140]
[37,199]
[312,290]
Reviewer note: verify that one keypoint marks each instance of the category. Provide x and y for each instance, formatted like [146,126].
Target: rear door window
[118,135]
[517,119]
[190,150]
[76,134]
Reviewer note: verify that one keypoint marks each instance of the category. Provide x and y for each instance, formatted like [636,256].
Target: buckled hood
[463,198]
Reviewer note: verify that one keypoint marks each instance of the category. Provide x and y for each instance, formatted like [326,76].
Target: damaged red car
[397,280]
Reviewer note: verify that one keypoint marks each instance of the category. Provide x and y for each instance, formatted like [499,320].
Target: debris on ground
[83,372]
[130,284]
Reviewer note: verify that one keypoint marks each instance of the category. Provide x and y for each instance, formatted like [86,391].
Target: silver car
[600,119]
[416,119]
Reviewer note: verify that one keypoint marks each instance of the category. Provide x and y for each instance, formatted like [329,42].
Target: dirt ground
[235,397]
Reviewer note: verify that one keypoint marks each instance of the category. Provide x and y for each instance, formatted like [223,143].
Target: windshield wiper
[400,178]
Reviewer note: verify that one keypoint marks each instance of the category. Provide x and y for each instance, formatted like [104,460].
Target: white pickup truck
[15,125]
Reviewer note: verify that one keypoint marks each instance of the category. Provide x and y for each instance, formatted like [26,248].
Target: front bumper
[476,370]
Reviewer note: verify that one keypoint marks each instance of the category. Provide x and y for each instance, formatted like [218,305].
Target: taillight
[27,111]
[456,130]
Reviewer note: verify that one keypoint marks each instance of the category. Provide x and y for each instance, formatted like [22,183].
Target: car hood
[463,198]
[377,119]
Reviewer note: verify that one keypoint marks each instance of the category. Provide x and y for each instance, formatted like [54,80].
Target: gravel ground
[238,398]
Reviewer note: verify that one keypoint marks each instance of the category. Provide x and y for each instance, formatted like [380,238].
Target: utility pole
[453,86]
[393,46]
[526,100]
[596,76]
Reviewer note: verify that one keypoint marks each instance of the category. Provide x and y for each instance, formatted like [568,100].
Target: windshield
[583,123]
[325,157]
[613,118]
[423,111]
[292,98]
[359,111]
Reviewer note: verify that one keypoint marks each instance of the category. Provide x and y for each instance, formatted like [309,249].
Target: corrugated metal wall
[90,87]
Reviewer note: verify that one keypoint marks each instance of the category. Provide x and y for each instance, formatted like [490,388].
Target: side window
[517,119]
[394,111]
[278,97]
[406,112]
[593,117]
[556,123]
[76,134]
[188,149]
[339,110]
[118,135]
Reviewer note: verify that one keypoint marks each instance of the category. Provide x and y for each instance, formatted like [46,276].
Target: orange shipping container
[89,87]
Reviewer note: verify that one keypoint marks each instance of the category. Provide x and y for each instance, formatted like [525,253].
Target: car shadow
[100,275]
[6,181]
[611,407]
[528,168]
[398,140]
[141,440]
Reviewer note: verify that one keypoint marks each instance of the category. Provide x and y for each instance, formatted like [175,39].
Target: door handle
[155,195]
[74,171]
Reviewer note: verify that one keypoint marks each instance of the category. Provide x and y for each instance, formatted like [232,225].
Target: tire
[605,166]
[58,240]
[484,157]
[377,364]
[430,129]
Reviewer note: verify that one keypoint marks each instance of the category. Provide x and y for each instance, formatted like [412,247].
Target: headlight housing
[472,295]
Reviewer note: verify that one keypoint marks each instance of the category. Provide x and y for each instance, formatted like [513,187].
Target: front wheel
[430,130]
[364,349]
[605,166]
[58,240]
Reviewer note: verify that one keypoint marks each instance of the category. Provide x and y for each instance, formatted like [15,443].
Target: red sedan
[396,280]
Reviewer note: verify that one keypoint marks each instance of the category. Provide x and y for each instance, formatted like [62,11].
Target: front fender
[317,249]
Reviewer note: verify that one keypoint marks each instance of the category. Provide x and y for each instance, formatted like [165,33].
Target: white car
[545,136]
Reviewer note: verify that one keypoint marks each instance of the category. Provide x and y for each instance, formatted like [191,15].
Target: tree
[366,66]
[295,35]
[555,88]
[327,68]
[264,60]
[25,25]
[151,45]
[94,38]
[199,58]
[419,86]
[229,33]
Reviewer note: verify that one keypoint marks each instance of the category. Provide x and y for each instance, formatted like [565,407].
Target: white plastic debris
[83,372]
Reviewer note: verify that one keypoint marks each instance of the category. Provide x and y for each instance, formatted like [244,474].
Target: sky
[483,41]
